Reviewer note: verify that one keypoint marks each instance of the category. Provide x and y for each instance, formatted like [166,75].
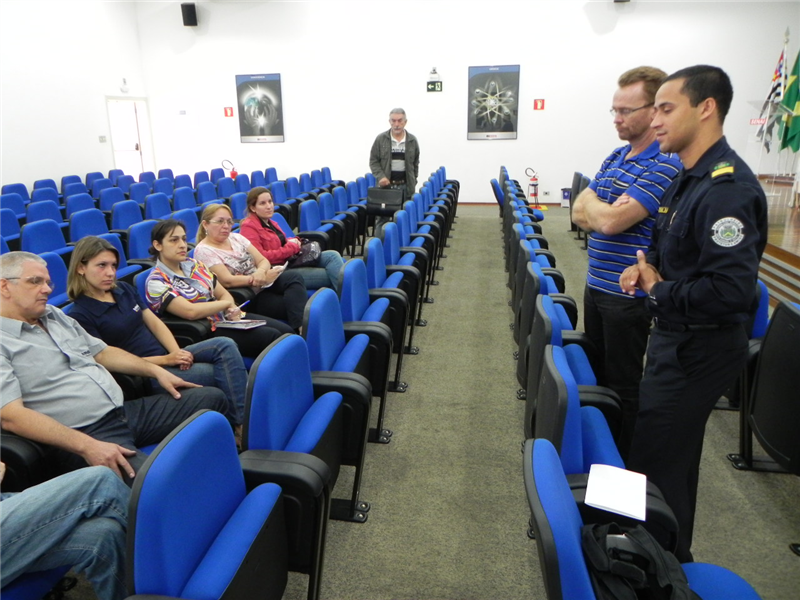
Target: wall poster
[260,108]
[492,98]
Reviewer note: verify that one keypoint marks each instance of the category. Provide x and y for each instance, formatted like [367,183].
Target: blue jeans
[218,363]
[76,520]
[326,275]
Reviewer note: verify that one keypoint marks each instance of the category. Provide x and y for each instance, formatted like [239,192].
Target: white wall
[344,64]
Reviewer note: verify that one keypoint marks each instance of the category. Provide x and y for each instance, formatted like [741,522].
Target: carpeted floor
[449,514]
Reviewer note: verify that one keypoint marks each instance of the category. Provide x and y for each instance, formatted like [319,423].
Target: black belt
[681,327]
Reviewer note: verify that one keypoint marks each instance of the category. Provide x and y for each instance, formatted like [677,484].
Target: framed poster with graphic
[493,103]
[260,108]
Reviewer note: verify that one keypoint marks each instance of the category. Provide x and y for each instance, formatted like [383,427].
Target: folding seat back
[166,174]
[239,204]
[124,214]
[77,202]
[354,297]
[114,174]
[139,191]
[288,207]
[14,202]
[349,221]
[183,180]
[163,185]
[91,221]
[9,227]
[773,410]
[98,185]
[4,246]
[271,174]
[293,189]
[16,188]
[109,197]
[45,183]
[183,198]
[46,209]
[188,217]
[92,177]
[58,275]
[139,240]
[363,186]
[77,187]
[217,174]
[43,236]
[67,179]
[206,192]
[45,193]
[326,175]
[317,180]
[200,177]
[281,412]
[193,529]
[310,222]
[242,183]
[124,182]
[157,206]
[370,180]
[305,182]
[147,177]
[257,179]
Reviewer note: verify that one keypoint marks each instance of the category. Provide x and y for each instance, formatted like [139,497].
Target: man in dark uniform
[700,276]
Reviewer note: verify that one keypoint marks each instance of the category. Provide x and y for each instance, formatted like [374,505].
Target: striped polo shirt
[644,177]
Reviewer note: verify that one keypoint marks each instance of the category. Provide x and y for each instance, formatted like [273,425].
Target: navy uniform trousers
[685,375]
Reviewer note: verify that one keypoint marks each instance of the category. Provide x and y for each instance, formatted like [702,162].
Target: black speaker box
[189,13]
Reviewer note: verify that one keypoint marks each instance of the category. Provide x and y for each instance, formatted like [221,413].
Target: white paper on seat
[617,490]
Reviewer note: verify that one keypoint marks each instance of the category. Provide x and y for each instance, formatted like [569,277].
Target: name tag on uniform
[663,209]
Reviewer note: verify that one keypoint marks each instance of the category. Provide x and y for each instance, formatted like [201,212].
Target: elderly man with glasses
[56,386]
[618,210]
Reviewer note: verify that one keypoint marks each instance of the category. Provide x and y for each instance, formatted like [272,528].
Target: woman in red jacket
[271,241]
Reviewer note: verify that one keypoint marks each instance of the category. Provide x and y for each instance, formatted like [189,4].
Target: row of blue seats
[570,422]
[301,471]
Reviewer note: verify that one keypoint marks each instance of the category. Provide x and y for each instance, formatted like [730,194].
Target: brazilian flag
[790,138]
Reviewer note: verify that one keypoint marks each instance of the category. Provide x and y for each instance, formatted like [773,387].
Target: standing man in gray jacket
[394,158]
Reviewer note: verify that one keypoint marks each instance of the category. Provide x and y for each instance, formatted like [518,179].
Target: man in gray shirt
[56,388]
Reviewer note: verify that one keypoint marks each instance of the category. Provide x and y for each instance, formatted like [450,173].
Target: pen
[245,303]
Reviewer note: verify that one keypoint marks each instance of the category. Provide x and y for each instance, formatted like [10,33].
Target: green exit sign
[434,86]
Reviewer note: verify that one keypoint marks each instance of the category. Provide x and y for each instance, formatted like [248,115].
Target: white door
[130,136]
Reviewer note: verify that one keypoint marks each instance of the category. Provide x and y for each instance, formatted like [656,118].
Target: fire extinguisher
[228,165]
[533,187]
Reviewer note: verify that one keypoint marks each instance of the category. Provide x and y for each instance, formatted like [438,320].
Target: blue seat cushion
[228,550]
[393,280]
[712,582]
[314,423]
[351,354]
[579,365]
[376,310]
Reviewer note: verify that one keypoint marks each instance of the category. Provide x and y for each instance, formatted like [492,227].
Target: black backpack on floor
[631,565]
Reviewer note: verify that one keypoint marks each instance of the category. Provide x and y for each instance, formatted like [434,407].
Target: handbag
[384,201]
[307,257]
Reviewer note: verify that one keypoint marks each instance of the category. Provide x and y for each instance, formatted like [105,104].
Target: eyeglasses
[221,221]
[624,112]
[35,281]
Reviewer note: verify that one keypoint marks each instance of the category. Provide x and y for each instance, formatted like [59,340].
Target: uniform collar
[709,158]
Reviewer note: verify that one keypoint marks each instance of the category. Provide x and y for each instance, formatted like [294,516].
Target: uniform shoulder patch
[723,167]
[727,232]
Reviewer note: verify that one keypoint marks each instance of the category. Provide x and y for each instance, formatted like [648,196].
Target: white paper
[617,490]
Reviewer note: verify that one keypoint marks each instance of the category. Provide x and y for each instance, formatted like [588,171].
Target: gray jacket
[380,158]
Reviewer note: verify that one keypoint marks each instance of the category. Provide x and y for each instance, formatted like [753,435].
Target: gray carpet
[449,514]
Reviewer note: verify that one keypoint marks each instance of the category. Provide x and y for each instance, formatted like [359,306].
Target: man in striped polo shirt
[618,210]
[394,156]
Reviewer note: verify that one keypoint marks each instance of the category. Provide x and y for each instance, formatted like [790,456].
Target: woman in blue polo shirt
[112,311]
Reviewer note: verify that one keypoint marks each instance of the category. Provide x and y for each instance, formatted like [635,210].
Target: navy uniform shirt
[710,234]
[118,324]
